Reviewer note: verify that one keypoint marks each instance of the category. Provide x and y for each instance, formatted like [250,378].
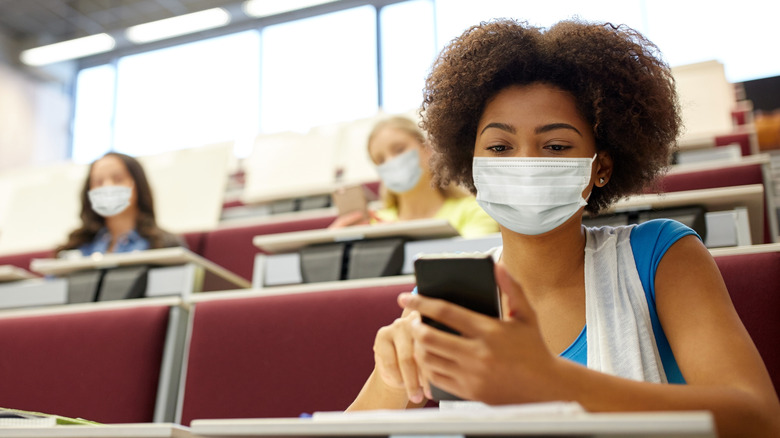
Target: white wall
[34,115]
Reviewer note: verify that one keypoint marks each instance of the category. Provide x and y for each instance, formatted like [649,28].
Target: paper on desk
[456,411]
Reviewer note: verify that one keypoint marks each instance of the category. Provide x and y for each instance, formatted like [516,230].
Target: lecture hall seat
[194,241]
[741,138]
[22,260]
[100,365]
[726,176]
[283,355]
[753,281]
[232,247]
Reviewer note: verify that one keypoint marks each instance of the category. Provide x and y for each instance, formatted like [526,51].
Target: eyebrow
[539,130]
[554,126]
[502,126]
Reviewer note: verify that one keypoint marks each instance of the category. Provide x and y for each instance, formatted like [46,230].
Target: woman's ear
[603,168]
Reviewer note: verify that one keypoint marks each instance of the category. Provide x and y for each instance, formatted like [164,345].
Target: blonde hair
[407,125]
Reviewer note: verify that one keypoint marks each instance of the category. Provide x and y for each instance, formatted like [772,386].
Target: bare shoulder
[704,330]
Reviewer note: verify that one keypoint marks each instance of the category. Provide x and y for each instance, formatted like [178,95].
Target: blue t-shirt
[649,242]
[131,241]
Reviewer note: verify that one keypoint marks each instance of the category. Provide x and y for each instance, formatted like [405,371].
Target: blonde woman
[401,153]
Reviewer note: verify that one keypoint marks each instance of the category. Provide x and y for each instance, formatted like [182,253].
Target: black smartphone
[464,279]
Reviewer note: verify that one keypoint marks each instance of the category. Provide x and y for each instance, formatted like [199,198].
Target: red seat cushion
[100,365]
[283,355]
[194,241]
[22,260]
[232,248]
[727,176]
[743,139]
[753,281]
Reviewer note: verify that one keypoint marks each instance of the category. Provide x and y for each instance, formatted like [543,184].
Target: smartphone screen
[466,281]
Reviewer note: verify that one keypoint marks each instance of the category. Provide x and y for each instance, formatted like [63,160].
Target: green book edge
[60,420]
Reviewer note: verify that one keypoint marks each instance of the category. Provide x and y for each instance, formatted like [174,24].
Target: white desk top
[658,424]
[287,242]
[323,286]
[748,160]
[140,430]
[724,198]
[745,249]
[14,273]
[160,257]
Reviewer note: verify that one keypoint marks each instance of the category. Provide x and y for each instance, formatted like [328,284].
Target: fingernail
[404,298]
[417,397]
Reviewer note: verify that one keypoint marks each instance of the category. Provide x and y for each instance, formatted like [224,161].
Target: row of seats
[729,175]
[254,355]
[231,246]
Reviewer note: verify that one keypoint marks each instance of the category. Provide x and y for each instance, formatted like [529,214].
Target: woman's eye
[498,148]
[399,149]
[557,147]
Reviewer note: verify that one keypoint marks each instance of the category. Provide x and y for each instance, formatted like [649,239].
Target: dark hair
[146,224]
[620,83]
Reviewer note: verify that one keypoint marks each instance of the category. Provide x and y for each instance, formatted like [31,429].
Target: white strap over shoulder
[619,331]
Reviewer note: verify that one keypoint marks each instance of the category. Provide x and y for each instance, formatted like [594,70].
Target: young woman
[542,126]
[117,210]
[398,148]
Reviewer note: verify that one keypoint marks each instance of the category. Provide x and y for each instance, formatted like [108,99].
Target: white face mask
[401,173]
[108,201]
[531,195]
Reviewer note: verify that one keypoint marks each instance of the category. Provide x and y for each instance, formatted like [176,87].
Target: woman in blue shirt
[543,125]
[117,210]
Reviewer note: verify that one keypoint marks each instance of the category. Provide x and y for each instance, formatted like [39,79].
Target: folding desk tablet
[362,251]
[133,430]
[435,423]
[21,288]
[14,273]
[150,273]
[747,197]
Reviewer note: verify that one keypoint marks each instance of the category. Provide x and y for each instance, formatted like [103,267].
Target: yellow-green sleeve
[386,215]
[467,217]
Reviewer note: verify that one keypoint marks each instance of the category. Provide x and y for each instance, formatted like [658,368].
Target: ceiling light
[265,8]
[180,25]
[65,50]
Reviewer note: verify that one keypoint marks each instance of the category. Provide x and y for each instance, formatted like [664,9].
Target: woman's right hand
[394,357]
[351,218]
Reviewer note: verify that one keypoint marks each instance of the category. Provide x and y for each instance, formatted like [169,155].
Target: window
[455,16]
[324,69]
[319,70]
[189,95]
[408,50]
[93,117]
[739,35]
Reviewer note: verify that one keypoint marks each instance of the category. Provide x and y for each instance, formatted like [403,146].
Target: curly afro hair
[622,86]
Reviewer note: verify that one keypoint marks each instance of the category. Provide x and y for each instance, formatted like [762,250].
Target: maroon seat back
[232,248]
[22,260]
[195,241]
[753,281]
[743,139]
[283,355]
[727,176]
[101,365]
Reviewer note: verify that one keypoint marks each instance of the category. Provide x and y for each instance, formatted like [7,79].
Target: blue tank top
[649,242]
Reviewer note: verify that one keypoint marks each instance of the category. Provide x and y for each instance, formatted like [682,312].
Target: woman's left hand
[494,361]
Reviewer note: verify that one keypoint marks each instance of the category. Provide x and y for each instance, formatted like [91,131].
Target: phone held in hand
[465,279]
[349,199]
